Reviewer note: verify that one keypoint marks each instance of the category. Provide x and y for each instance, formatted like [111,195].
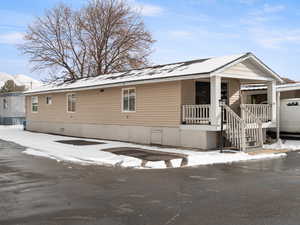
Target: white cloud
[267,8]
[199,17]
[260,27]
[11,38]
[151,10]
[248,2]
[275,38]
[181,34]
[196,33]
[146,9]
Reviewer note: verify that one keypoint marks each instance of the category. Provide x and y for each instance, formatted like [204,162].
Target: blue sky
[184,29]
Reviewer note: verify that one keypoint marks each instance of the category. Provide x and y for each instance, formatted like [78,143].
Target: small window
[48,100]
[5,103]
[71,98]
[293,104]
[128,100]
[34,103]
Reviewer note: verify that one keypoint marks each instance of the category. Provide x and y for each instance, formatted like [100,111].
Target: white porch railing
[263,112]
[253,129]
[196,114]
[241,133]
[235,129]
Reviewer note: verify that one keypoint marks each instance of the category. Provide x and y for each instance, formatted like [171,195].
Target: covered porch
[202,101]
[243,124]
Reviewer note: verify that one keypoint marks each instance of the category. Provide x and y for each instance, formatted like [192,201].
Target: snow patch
[45,145]
[38,153]
[284,145]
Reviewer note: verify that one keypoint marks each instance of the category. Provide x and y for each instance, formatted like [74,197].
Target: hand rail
[260,111]
[235,129]
[253,126]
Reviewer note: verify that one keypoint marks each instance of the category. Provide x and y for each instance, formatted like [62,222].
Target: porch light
[222,102]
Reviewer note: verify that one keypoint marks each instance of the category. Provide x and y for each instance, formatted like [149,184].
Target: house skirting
[11,120]
[169,136]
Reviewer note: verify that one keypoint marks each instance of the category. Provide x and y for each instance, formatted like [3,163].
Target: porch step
[253,149]
[249,141]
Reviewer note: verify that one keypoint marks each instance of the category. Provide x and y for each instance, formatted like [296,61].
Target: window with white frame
[34,103]
[71,101]
[128,101]
[48,100]
[5,103]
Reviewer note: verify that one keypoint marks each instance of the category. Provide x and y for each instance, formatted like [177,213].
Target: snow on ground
[284,145]
[44,145]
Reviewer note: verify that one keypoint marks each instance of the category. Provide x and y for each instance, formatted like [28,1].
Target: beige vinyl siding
[156,105]
[234,95]
[188,92]
[247,69]
[246,96]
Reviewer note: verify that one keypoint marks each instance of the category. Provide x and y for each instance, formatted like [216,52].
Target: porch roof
[159,73]
[288,87]
[279,88]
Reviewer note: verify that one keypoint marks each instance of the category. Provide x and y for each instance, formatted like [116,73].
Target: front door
[203,92]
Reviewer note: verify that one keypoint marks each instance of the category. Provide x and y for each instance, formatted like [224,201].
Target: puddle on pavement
[145,154]
[149,155]
[79,142]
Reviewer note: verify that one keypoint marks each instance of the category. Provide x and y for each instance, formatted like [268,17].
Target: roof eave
[120,84]
[244,57]
[275,75]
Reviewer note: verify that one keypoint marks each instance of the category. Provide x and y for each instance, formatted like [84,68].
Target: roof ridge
[174,63]
[157,66]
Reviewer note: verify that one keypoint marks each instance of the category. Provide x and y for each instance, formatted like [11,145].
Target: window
[203,92]
[128,103]
[5,103]
[48,100]
[34,103]
[293,104]
[71,98]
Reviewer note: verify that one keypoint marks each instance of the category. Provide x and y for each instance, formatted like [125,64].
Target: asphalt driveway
[40,191]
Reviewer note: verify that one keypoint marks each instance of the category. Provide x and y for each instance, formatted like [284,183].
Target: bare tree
[103,37]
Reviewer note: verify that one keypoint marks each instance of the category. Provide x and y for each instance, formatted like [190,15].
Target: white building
[12,108]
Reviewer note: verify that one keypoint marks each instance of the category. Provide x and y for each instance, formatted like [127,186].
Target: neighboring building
[257,93]
[174,104]
[12,108]
[12,103]
[288,107]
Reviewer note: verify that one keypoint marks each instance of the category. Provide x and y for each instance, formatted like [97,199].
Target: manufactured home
[174,104]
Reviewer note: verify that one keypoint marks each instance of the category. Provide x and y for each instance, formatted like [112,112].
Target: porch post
[278,117]
[215,96]
[272,99]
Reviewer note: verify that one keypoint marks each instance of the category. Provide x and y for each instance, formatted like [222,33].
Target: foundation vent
[156,136]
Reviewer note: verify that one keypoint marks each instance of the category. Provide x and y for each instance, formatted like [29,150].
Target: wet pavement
[39,191]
